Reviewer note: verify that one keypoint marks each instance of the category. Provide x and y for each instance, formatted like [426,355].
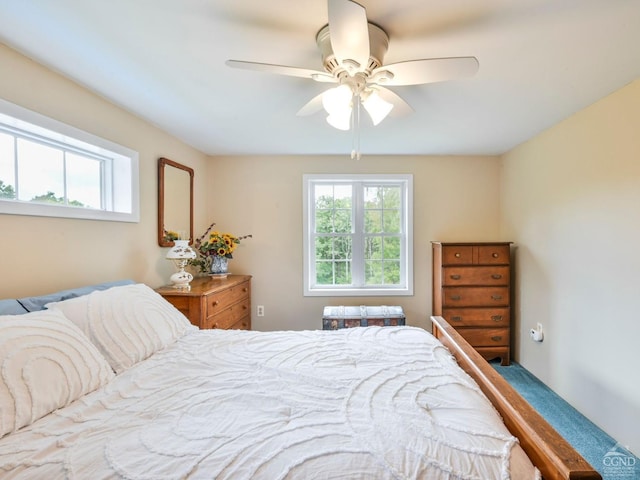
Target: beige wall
[455,198]
[571,202]
[40,254]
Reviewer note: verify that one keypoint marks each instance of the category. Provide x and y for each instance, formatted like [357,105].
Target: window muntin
[358,235]
[52,169]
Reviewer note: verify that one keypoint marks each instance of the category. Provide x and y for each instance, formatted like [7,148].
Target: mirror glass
[175,201]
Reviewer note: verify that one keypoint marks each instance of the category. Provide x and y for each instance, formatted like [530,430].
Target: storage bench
[335,317]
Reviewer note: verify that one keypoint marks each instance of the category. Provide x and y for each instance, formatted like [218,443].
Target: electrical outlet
[260,310]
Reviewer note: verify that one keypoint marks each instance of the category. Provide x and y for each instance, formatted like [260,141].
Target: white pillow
[47,363]
[127,324]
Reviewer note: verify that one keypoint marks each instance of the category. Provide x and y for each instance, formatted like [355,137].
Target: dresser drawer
[452,276]
[181,303]
[228,322]
[475,296]
[485,337]
[489,353]
[242,324]
[229,317]
[222,300]
[457,255]
[477,317]
[493,255]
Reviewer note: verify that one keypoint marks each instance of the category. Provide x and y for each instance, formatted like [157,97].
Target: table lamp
[180,254]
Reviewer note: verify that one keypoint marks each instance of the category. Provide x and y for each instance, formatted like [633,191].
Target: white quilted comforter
[362,403]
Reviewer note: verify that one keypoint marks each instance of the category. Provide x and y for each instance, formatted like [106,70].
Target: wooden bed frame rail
[550,453]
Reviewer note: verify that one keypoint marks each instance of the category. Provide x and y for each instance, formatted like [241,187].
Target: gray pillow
[33,304]
[11,307]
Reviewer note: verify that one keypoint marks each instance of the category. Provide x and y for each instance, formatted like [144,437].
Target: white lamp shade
[340,120]
[181,251]
[337,99]
[377,107]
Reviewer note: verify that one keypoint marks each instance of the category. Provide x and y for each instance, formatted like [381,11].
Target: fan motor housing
[378,46]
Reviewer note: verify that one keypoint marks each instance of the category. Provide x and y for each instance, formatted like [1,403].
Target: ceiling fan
[353,52]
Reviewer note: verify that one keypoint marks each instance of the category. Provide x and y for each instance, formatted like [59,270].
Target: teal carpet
[591,442]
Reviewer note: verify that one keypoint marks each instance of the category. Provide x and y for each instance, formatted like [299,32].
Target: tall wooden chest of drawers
[472,291]
[214,303]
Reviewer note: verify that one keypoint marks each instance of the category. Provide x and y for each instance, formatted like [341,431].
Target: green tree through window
[358,233]
[333,240]
[7,191]
[50,197]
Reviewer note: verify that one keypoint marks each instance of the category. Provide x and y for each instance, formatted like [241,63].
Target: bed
[115,383]
[550,452]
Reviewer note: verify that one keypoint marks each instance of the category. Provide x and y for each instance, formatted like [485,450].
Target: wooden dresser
[214,303]
[472,291]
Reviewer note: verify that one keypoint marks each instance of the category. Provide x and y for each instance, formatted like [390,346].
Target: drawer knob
[244,307]
[496,276]
[455,297]
[215,325]
[455,277]
[457,255]
[244,289]
[496,297]
[495,255]
[215,303]
[457,318]
[496,318]
[496,338]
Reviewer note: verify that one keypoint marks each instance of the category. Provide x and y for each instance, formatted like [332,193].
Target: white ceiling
[540,61]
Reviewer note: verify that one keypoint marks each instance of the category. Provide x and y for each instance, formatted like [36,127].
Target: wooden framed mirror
[175,200]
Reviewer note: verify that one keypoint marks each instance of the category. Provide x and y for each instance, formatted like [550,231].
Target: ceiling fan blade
[400,107]
[316,75]
[416,72]
[312,106]
[349,31]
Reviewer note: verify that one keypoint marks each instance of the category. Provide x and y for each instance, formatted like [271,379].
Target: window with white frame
[48,168]
[358,235]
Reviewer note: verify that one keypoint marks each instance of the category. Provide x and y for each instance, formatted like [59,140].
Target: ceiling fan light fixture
[377,107]
[340,120]
[337,100]
[353,51]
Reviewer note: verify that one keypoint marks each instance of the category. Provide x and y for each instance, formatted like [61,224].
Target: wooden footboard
[551,453]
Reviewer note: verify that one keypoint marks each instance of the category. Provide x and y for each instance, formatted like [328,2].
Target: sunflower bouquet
[214,243]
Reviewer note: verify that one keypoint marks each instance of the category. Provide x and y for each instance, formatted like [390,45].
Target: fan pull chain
[355,120]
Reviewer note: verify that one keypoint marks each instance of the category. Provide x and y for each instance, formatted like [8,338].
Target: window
[358,235]
[48,168]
